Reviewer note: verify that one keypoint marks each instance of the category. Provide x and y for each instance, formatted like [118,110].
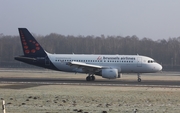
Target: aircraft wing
[86,67]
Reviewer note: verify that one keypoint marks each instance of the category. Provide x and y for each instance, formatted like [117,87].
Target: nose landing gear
[139,77]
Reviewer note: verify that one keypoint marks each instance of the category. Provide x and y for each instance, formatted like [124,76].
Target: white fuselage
[124,63]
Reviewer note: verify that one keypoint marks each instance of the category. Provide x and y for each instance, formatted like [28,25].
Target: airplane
[107,66]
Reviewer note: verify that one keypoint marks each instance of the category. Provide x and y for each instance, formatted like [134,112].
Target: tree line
[164,51]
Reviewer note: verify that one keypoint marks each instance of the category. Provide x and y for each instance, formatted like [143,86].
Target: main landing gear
[139,77]
[90,77]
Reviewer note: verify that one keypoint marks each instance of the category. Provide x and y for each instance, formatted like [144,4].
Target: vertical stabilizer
[31,47]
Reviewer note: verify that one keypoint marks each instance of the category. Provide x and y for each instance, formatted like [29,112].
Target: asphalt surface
[101,82]
[81,81]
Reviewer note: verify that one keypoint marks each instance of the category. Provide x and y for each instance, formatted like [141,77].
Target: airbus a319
[107,66]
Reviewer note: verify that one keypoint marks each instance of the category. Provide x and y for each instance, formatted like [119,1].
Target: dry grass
[34,98]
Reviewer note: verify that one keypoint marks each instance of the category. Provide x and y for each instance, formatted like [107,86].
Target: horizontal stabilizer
[24,58]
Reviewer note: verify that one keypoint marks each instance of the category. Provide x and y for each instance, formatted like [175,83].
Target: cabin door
[139,62]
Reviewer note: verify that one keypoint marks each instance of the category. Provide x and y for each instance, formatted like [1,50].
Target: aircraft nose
[159,67]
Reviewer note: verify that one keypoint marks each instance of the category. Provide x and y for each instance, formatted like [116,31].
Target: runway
[101,82]
[46,77]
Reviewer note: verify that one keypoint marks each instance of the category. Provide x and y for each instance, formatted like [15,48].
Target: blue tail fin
[31,47]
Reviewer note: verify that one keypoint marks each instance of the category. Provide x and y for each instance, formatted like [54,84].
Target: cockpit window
[151,61]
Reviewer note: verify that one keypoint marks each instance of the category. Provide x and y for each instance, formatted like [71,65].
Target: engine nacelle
[109,73]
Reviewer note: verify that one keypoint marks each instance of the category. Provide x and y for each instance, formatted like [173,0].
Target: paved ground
[63,80]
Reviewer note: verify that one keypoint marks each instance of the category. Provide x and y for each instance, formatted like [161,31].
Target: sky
[153,19]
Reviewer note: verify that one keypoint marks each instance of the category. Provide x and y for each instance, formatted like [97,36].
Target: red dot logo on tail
[33,51]
[37,48]
[32,45]
[25,47]
[37,44]
[24,43]
[27,51]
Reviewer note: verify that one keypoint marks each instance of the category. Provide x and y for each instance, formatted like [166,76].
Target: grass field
[38,98]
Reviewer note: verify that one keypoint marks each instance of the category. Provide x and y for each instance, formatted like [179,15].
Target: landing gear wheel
[92,78]
[88,78]
[139,79]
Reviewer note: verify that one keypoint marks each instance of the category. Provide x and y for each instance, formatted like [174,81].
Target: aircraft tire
[88,78]
[93,78]
[139,79]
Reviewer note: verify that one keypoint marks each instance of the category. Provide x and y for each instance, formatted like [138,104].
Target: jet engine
[109,73]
